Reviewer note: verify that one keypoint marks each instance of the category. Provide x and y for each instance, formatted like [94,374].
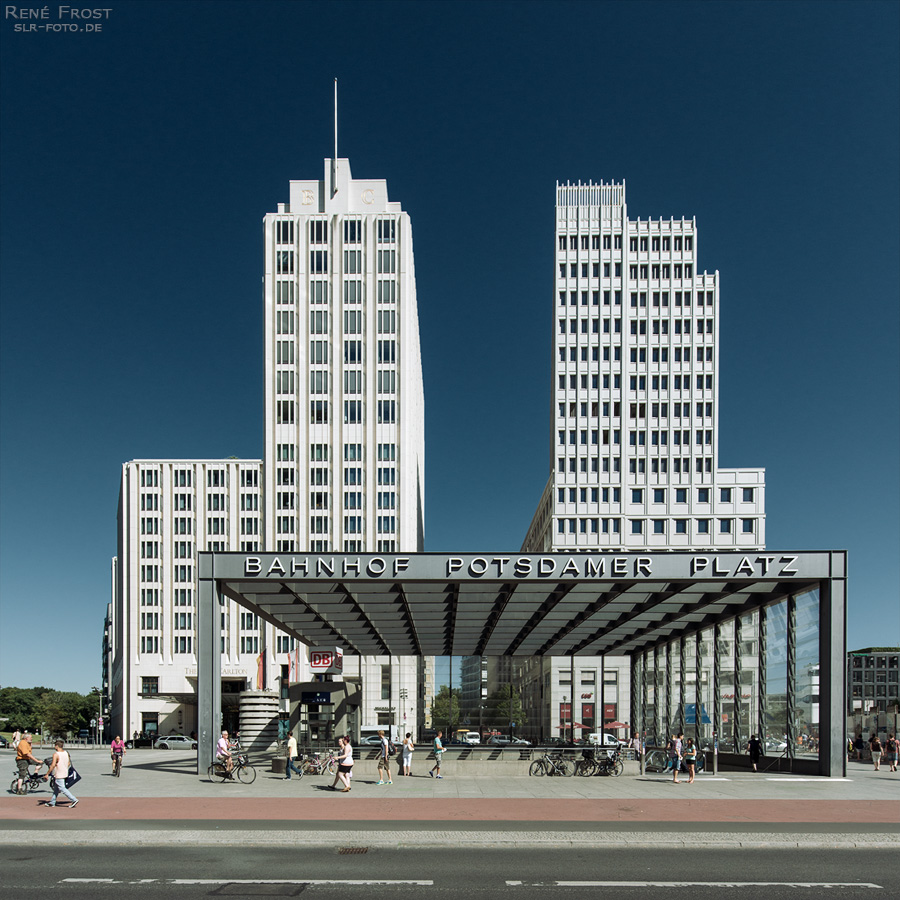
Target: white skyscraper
[634,461]
[343,468]
[344,402]
[635,411]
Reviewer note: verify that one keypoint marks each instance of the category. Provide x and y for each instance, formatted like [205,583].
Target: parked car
[520,742]
[371,740]
[4,743]
[175,742]
[499,740]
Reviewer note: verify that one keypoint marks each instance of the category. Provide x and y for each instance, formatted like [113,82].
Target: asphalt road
[192,872]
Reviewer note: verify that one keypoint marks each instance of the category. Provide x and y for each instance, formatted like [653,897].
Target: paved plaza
[160,799]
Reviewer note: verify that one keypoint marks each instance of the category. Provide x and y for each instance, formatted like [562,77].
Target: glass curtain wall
[775,738]
[734,678]
[806,699]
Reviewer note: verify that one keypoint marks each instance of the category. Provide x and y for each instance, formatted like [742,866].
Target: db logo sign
[326,661]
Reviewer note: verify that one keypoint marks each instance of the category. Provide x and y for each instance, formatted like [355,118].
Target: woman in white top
[59,771]
[408,747]
[345,764]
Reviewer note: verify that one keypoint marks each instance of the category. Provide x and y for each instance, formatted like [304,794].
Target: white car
[175,742]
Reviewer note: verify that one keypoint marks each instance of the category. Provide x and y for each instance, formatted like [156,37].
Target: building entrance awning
[507,605]
[556,604]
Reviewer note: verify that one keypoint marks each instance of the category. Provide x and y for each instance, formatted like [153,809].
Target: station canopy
[554,604]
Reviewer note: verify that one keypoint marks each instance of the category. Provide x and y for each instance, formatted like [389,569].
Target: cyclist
[223,753]
[117,750]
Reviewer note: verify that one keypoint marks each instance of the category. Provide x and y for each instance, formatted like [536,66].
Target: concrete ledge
[429,838]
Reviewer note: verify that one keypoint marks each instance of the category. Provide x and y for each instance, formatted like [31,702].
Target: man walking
[384,765]
[291,756]
[438,753]
[23,758]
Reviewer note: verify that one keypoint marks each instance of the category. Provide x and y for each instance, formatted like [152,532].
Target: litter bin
[279,764]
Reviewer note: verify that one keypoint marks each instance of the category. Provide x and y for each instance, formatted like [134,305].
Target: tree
[504,708]
[445,710]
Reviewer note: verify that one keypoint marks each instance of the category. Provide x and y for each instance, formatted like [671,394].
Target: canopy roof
[554,604]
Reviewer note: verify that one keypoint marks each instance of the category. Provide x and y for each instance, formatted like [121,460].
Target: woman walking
[892,751]
[690,759]
[876,747]
[59,771]
[345,764]
[408,747]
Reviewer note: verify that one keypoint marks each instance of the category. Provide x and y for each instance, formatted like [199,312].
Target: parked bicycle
[241,769]
[319,765]
[552,765]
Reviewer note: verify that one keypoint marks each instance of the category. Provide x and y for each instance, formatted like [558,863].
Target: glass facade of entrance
[754,674]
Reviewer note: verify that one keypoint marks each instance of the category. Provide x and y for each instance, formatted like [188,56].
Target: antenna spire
[334,160]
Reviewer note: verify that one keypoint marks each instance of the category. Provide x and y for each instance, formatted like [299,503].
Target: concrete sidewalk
[159,799]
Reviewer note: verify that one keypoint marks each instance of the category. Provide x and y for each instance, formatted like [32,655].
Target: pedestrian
[670,755]
[408,747]
[384,764]
[17,735]
[345,764]
[23,758]
[438,748]
[877,749]
[755,748]
[59,771]
[690,759]
[892,751]
[291,756]
[677,747]
[858,745]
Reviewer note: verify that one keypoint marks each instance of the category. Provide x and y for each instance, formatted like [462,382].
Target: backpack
[391,748]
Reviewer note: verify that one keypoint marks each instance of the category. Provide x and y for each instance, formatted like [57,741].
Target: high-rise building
[635,410]
[635,399]
[344,401]
[168,510]
[342,470]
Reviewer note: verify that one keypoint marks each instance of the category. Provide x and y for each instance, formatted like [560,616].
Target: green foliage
[504,707]
[445,710]
[60,712]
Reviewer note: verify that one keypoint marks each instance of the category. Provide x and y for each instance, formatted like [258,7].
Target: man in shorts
[223,752]
[438,753]
[23,759]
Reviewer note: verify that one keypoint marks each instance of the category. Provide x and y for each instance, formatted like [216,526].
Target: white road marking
[222,881]
[677,884]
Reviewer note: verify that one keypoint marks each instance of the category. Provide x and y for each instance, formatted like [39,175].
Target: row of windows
[614,326]
[353,289]
[319,452]
[680,465]
[636,271]
[651,526]
[638,298]
[635,383]
[658,495]
[635,438]
[386,412]
[214,477]
[662,243]
[636,410]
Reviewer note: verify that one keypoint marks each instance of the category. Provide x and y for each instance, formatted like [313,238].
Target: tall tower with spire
[344,401]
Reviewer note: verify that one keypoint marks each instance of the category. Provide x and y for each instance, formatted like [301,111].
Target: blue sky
[137,163]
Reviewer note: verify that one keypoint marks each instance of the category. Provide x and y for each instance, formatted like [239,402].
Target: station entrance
[745,639]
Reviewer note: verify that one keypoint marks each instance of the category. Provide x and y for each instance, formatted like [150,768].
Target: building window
[748,495]
[747,526]
[149,685]
[702,526]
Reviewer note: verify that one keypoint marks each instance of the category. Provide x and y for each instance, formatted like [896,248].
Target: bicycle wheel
[118,766]
[308,768]
[617,768]
[34,785]
[536,768]
[566,767]
[247,774]
[217,772]
[331,767]
[14,785]
[585,767]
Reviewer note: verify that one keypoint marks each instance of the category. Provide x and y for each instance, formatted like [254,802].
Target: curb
[429,839]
